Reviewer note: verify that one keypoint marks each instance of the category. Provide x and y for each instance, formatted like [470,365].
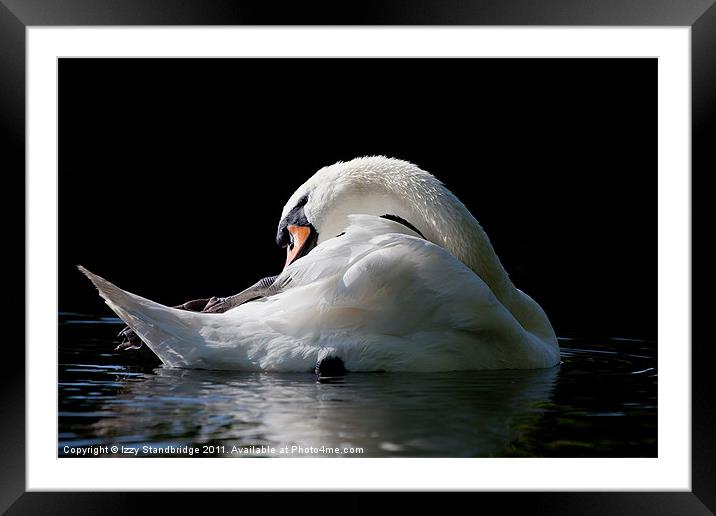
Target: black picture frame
[17,15]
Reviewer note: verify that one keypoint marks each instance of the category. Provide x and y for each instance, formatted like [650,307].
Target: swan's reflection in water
[441,415]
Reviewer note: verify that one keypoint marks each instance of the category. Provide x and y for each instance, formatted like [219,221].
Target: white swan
[386,270]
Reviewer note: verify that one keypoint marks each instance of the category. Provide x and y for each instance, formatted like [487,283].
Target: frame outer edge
[12,121]
[12,126]
[359,12]
[703,159]
[296,503]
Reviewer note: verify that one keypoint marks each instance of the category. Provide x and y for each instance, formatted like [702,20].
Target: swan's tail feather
[168,332]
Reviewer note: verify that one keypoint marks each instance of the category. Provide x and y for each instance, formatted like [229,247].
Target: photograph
[357,257]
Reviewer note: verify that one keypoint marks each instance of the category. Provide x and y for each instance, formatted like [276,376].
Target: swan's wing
[383,298]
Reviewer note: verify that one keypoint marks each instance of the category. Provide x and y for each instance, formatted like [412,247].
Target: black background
[173,173]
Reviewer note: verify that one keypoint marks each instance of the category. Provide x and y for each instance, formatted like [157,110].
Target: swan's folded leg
[263,288]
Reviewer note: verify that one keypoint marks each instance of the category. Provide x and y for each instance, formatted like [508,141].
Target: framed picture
[486,277]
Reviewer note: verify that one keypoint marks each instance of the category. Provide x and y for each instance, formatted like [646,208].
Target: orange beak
[299,237]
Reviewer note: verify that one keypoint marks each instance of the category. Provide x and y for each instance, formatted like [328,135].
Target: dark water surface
[600,402]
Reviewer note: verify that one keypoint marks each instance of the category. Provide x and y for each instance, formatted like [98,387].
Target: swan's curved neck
[449,224]
[445,221]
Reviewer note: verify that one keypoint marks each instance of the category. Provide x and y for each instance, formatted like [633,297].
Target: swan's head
[376,185]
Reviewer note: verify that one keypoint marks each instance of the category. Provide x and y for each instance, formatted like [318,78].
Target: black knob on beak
[283,238]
